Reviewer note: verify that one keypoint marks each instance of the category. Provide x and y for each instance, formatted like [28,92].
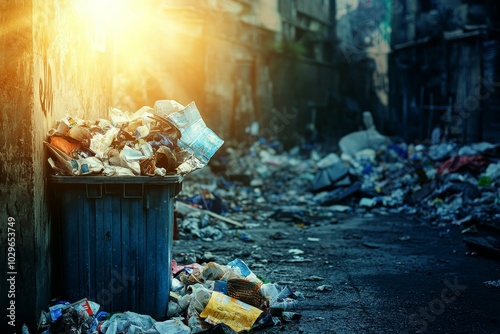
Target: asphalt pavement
[364,273]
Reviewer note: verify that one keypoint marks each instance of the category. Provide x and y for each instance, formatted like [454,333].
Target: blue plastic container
[113,239]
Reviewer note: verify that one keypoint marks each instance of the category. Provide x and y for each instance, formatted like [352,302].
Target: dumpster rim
[150,180]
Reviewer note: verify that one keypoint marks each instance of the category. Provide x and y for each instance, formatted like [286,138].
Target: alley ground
[379,274]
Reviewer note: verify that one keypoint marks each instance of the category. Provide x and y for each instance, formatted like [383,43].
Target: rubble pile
[166,139]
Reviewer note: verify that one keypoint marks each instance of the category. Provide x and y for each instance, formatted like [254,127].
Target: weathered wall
[221,79]
[301,86]
[163,59]
[54,63]
[205,52]
[230,85]
[17,186]
[237,78]
[75,48]
[303,75]
[490,85]
[222,55]
[363,31]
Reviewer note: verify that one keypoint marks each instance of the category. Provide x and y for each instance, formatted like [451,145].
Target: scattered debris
[201,297]
[492,284]
[324,288]
[296,251]
[185,207]
[488,246]
[370,245]
[470,230]
[314,278]
[246,186]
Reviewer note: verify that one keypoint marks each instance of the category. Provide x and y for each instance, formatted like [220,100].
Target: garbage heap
[443,184]
[204,298]
[166,139]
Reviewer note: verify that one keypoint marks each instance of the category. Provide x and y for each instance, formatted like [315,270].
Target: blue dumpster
[112,240]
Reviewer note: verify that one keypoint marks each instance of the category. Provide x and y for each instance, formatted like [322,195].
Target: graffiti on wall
[45,88]
[364,29]
[43,21]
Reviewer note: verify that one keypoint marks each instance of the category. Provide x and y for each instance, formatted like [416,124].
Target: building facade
[303,73]
[242,61]
[444,70]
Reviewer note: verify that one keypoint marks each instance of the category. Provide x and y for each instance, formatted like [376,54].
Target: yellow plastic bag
[232,312]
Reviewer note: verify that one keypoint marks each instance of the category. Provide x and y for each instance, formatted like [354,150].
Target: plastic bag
[234,313]
[100,143]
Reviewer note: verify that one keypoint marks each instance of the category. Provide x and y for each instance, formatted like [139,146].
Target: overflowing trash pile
[449,188]
[204,298]
[166,139]
[444,184]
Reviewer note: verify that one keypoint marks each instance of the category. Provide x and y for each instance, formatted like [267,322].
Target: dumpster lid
[150,180]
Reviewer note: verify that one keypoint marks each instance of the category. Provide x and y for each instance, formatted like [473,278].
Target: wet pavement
[377,274]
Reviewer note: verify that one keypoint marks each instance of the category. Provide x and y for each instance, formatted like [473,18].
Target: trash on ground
[314,278]
[202,299]
[487,246]
[324,288]
[492,284]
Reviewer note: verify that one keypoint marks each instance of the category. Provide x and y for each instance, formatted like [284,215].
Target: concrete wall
[54,62]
